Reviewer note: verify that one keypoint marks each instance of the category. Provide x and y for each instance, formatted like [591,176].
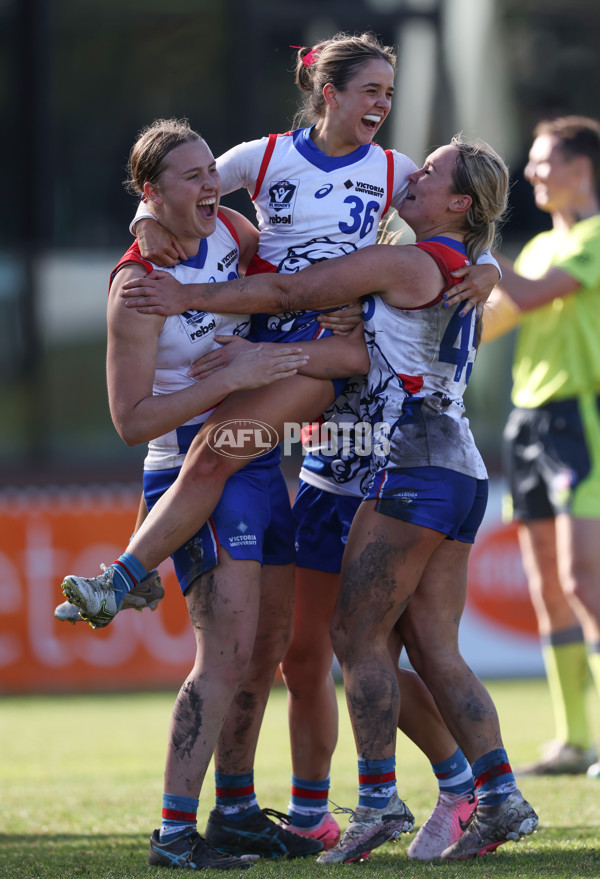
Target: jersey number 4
[457,343]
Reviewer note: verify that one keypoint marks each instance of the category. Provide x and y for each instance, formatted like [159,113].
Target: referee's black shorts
[552,459]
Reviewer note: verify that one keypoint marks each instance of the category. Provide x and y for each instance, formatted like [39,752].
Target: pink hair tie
[310,57]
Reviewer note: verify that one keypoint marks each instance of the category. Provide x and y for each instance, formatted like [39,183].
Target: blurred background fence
[77,82]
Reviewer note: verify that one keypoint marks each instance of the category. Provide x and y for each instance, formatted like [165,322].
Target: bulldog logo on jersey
[282,197]
[315,250]
[198,324]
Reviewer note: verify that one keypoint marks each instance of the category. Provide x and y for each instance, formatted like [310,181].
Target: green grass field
[81,784]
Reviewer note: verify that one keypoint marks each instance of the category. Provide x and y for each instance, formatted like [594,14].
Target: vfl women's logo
[281,194]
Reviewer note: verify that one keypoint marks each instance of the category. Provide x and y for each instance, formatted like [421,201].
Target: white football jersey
[300,193]
[421,361]
[186,337]
[311,207]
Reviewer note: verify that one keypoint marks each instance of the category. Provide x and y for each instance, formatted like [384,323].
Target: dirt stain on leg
[187,719]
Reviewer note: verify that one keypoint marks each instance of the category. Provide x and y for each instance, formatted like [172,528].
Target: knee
[269,652]
[286,638]
[226,668]
[418,645]
[580,590]
[307,662]
[418,656]
[554,598]
[432,659]
[304,669]
[295,667]
[356,637]
[236,671]
[341,639]
[203,465]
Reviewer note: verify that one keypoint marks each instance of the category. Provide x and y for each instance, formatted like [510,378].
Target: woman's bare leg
[306,669]
[543,542]
[223,608]
[189,502]
[420,719]
[430,628]
[382,566]
[236,748]
[578,551]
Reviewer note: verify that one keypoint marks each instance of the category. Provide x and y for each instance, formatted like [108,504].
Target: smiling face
[358,112]
[553,175]
[431,191]
[186,196]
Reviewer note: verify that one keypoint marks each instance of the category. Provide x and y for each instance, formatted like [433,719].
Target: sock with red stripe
[494,779]
[308,802]
[127,573]
[454,775]
[235,795]
[376,782]
[178,816]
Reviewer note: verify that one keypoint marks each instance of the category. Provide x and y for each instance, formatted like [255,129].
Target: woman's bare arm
[401,274]
[137,413]
[331,357]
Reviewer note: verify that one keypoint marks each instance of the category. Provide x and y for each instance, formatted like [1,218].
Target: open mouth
[371,120]
[207,207]
[409,197]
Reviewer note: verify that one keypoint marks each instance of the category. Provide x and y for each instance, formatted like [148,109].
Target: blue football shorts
[322,520]
[253,520]
[433,497]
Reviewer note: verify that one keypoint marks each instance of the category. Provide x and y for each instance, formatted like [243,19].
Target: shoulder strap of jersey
[272,140]
[132,255]
[229,226]
[447,260]
[390,179]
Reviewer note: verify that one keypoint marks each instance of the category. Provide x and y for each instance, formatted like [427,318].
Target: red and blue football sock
[178,816]
[308,801]
[376,782]
[235,795]
[127,573]
[494,779]
[454,775]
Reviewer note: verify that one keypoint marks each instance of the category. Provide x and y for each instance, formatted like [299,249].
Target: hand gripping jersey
[421,361]
[310,207]
[186,337]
